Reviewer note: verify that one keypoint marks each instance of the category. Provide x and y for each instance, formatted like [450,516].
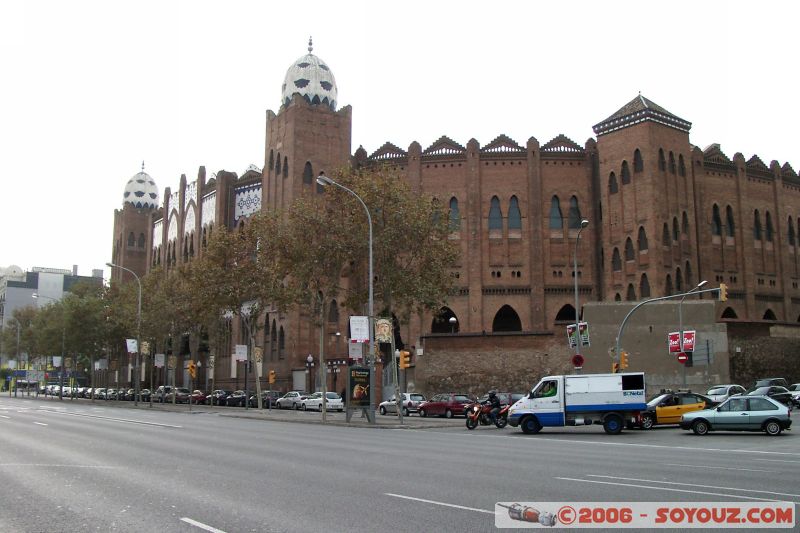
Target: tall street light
[680,323]
[138,331]
[324,180]
[36,296]
[578,357]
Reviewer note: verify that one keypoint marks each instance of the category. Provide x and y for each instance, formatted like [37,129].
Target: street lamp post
[309,366]
[584,223]
[322,179]
[36,296]
[138,332]
[680,323]
[453,321]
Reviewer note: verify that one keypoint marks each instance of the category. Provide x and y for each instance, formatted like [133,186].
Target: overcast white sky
[89,89]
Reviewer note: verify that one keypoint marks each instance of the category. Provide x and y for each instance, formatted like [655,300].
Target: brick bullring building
[663,215]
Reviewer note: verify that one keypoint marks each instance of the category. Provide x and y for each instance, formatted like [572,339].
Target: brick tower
[132,225]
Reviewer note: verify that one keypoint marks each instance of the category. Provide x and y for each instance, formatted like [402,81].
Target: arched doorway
[729,313]
[566,314]
[441,322]
[507,319]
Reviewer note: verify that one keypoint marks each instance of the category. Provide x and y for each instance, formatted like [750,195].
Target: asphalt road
[77,466]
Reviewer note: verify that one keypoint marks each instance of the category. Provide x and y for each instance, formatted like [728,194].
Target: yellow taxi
[668,407]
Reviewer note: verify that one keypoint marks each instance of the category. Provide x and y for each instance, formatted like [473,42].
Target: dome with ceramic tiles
[312,79]
[141,191]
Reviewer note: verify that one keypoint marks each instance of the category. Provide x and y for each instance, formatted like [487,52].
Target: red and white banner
[673,341]
[645,515]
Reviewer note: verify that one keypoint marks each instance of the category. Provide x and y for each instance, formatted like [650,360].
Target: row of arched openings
[275,163]
[514,219]
[573,215]
[132,241]
[505,319]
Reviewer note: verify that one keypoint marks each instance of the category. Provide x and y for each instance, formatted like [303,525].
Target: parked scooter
[478,413]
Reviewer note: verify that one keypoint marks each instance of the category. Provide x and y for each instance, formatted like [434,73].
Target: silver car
[410,403]
[720,393]
[740,413]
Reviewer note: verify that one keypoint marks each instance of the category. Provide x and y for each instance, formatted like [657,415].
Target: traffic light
[623,360]
[192,367]
[272,376]
[723,292]
[405,359]
[614,367]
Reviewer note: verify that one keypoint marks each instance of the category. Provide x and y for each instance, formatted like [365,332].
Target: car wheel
[613,424]
[700,427]
[320,408]
[448,413]
[341,410]
[530,425]
[294,406]
[648,422]
[383,410]
[422,413]
[406,411]
[772,427]
[305,408]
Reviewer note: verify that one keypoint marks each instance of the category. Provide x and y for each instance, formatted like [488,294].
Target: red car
[198,397]
[445,405]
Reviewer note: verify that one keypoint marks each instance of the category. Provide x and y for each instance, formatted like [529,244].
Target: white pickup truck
[613,400]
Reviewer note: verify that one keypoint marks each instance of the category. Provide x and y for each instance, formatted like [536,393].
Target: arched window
[333,312]
[769,315]
[616,261]
[665,240]
[625,173]
[716,222]
[281,343]
[672,162]
[631,295]
[662,162]
[688,274]
[131,239]
[506,319]
[273,341]
[441,321]
[641,240]
[675,229]
[757,226]
[638,164]
[556,221]
[613,187]
[185,248]
[141,240]
[769,231]
[618,297]
[285,167]
[629,254]
[729,221]
[678,280]
[729,313]
[271,160]
[566,314]
[790,231]
[514,217]
[685,224]
[574,214]
[495,215]
[308,174]
[205,241]
[644,287]
[668,286]
[681,166]
[455,216]
[278,165]
[191,245]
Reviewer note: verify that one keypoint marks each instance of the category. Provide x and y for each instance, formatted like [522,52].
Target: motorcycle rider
[494,401]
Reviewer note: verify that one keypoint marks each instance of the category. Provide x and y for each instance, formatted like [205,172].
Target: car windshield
[332,396]
[655,401]
[460,398]
[795,387]
[718,390]
[418,397]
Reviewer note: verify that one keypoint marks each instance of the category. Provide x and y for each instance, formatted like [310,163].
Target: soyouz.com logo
[683,515]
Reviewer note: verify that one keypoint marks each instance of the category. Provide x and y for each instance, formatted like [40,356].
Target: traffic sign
[682,357]
[577,360]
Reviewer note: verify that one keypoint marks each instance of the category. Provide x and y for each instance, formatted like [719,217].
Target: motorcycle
[478,413]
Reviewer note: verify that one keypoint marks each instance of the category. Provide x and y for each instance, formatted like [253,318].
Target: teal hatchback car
[740,413]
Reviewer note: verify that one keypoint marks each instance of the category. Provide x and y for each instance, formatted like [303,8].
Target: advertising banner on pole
[359,329]
[132,346]
[355,351]
[159,360]
[358,391]
[673,341]
[584,333]
[57,361]
[240,352]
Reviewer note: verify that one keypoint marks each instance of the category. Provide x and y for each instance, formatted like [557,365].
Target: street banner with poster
[355,351]
[584,333]
[132,346]
[240,352]
[359,329]
[358,389]
[159,360]
[383,330]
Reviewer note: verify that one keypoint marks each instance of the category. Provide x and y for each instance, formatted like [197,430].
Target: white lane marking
[695,485]
[126,420]
[201,525]
[667,489]
[40,423]
[438,503]
[720,467]
[26,465]
[4,416]
[776,460]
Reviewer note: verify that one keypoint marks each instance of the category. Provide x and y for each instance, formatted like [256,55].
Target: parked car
[182,395]
[290,400]
[236,399]
[740,413]
[198,397]
[410,402]
[794,389]
[268,398]
[781,394]
[217,397]
[768,382]
[144,395]
[445,405]
[668,407]
[720,393]
[314,402]
[99,393]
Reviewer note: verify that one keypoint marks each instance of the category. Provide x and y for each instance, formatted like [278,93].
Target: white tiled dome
[311,78]
[141,191]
